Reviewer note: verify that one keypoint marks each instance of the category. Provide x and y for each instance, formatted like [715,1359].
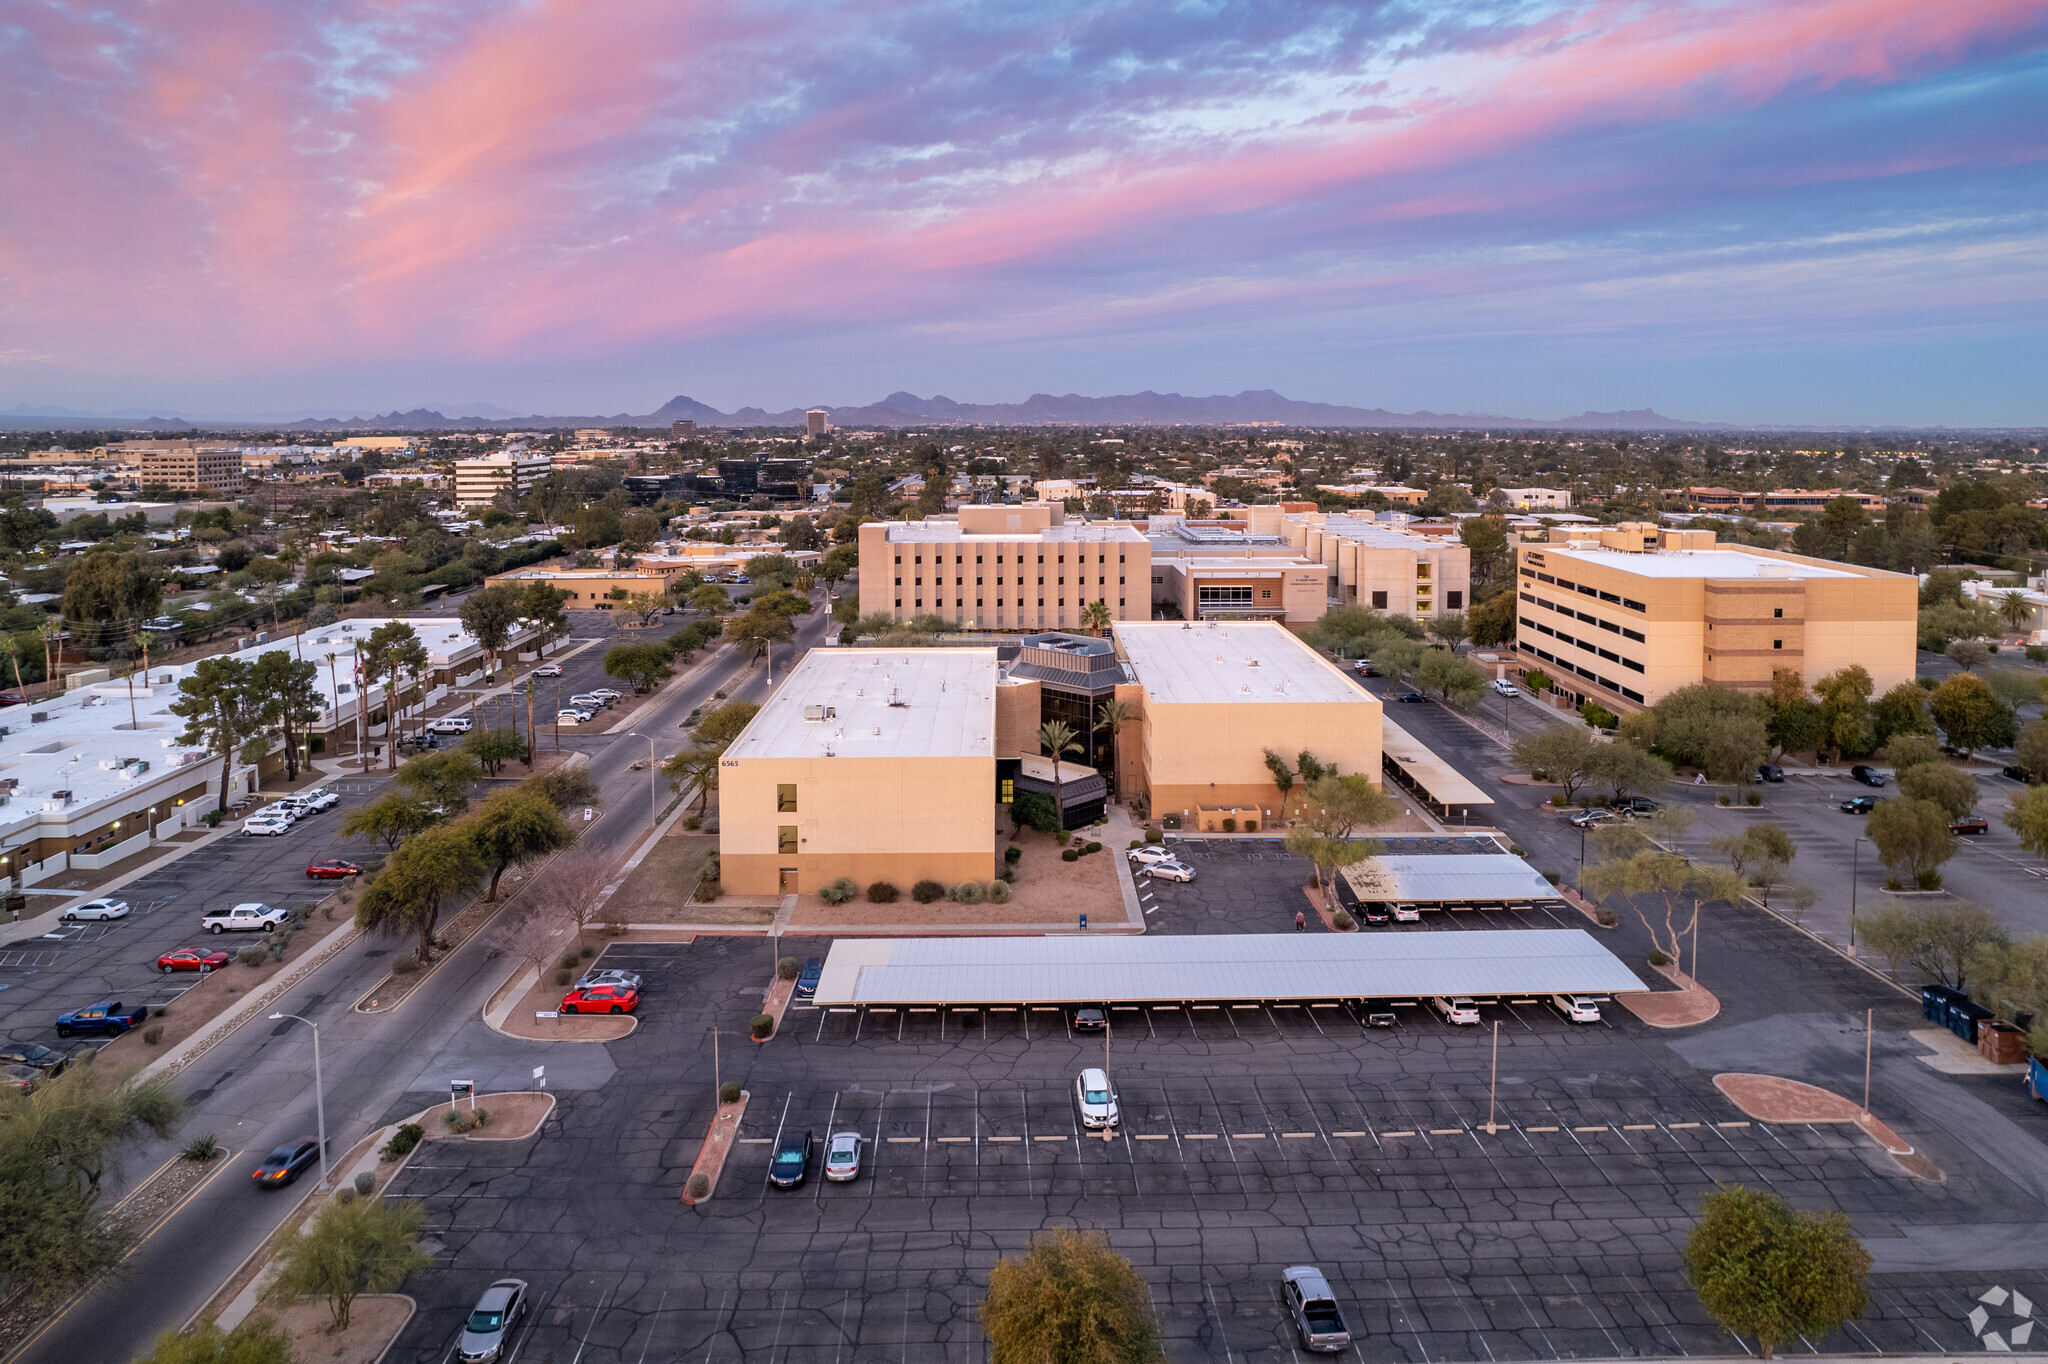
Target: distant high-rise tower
[681,430]
[816,420]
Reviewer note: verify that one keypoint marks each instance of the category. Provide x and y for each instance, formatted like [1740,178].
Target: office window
[1778,612]
[785,838]
[1777,644]
[1422,572]
[1008,794]
[1454,600]
[1225,596]
[1379,601]
[785,798]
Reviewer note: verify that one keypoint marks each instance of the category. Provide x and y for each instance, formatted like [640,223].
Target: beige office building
[189,466]
[1004,568]
[479,481]
[1625,614]
[1389,570]
[878,764]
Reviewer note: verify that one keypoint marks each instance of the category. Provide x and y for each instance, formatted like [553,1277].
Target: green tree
[645,606]
[392,652]
[390,819]
[1795,720]
[1969,713]
[640,665]
[423,871]
[107,587]
[760,627]
[516,826]
[1763,1270]
[2014,687]
[367,1245]
[545,608]
[1760,855]
[220,712]
[1909,751]
[2026,814]
[1336,807]
[713,734]
[1634,865]
[1493,620]
[2014,609]
[441,779]
[1902,710]
[1563,753]
[493,748]
[1953,789]
[1057,738]
[567,787]
[1493,560]
[1451,677]
[1937,943]
[1968,654]
[1735,749]
[2011,980]
[1283,778]
[1097,616]
[491,615]
[840,563]
[287,690]
[1625,769]
[258,1339]
[1110,718]
[1845,709]
[1449,629]
[1912,839]
[1069,1299]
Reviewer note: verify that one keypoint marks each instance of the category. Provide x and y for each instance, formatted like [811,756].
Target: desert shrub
[344,1196]
[366,1183]
[480,1116]
[201,1149]
[252,955]
[968,892]
[763,1026]
[1554,877]
[1012,853]
[569,960]
[153,1034]
[1657,958]
[699,1187]
[1344,922]
[927,890]
[1604,917]
[1135,843]
[838,892]
[1229,824]
[402,1141]
[564,976]
[403,966]
[1063,836]
[1722,799]
[881,892]
[1754,798]
[1093,847]
[787,967]
[1070,855]
[459,1120]
[729,1092]
[1155,835]
[693,822]
[1251,826]
[998,892]
[586,953]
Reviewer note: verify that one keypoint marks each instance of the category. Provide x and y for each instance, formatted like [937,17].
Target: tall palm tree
[1113,715]
[2016,609]
[1095,616]
[1058,738]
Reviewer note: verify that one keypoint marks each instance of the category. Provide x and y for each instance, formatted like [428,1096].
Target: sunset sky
[1752,210]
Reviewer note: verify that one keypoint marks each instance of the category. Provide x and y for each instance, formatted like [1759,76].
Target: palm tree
[1113,715]
[2016,609]
[1095,616]
[1059,738]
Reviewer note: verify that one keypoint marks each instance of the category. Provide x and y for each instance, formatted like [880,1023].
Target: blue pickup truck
[106,1018]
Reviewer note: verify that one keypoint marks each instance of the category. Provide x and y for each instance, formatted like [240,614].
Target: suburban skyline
[1808,212]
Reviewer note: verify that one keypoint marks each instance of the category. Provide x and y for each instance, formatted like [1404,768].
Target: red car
[333,869]
[602,999]
[191,959]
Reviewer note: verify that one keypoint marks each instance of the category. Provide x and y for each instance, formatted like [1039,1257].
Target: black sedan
[286,1163]
[1869,776]
[1411,696]
[1858,805]
[43,1058]
[791,1161]
[1375,911]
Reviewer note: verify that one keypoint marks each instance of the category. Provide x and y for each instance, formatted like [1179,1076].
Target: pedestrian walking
[1300,920]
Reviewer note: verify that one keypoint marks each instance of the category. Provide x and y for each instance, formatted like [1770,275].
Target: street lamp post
[319,1099]
[653,800]
[717,1085]
[1855,862]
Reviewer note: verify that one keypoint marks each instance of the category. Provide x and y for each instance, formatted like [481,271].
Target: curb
[739,1112]
[197,1045]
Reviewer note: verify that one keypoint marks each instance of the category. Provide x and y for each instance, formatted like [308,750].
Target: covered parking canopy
[1250,966]
[1424,773]
[1464,878]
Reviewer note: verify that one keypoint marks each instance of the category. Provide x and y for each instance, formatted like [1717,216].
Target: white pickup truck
[252,917]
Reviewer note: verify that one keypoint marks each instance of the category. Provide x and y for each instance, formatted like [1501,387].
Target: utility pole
[558,717]
[1869,1030]
[1493,1082]
[1855,862]
[529,723]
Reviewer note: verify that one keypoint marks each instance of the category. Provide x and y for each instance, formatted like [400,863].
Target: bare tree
[569,886]
[533,933]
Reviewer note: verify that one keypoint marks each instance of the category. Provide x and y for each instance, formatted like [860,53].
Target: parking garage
[1271,968]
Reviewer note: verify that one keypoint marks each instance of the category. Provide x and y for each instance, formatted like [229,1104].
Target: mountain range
[902,409]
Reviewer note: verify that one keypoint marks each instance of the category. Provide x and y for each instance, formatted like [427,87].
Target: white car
[548,670]
[1151,854]
[1503,687]
[1407,914]
[1171,870]
[842,1157]
[1576,1008]
[268,826]
[590,699]
[1457,1009]
[572,717]
[607,694]
[97,909]
[320,798]
[451,724]
[1097,1098]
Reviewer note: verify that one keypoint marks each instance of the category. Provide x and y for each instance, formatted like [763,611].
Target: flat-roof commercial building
[188,466]
[1004,568]
[1625,614]
[1532,499]
[878,764]
[1396,571]
[479,481]
[596,589]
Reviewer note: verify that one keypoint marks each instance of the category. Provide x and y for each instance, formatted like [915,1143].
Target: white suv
[1576,1008]
[1457,1009]
[451,724]
[1505,688]
[320,798]
[1097,1098]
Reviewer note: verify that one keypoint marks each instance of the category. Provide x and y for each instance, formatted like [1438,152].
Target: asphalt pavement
[254,1090]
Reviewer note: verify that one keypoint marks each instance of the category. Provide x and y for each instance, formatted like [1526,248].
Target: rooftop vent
[820,713]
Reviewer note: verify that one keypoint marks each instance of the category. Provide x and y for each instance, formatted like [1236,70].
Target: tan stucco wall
[1214,754]
[988,573]
[1017,711]
[894,819]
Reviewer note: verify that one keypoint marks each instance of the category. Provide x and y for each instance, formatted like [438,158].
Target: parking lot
[1251,1139]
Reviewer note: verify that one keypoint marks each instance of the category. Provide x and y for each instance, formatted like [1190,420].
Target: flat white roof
[1472,878]
[1080,532]
[1697,563]
[1445,784]
[1209,662]
[1075,969]
[880,703]
[1378,536]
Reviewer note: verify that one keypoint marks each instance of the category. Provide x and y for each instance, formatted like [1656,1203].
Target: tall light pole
[653,800]
[319,1099]
[1855,862]
[717,1086]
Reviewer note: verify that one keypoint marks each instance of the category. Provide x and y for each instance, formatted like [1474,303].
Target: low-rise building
[187,466]
[1005,568]
[1625,614]
[1403,571]
[479,481]
[596,589]
[1532,499]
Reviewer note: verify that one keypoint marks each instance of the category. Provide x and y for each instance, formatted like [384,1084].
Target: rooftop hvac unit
[38,717]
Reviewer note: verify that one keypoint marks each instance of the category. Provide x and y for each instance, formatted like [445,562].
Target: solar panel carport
[1484,964]
[1433,881]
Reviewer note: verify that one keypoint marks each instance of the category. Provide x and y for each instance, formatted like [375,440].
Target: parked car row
[1159,862]
[603,991]
[1464,1011]
[281,814]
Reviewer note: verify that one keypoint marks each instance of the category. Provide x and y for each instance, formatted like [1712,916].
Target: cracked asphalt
[1251,1139]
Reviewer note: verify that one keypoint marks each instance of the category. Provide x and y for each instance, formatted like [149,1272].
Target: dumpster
[2037,1078]
[1935,1001]
[2001,1043]
[1965,1017]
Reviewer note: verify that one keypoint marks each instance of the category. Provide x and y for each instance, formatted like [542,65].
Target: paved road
[253,1091]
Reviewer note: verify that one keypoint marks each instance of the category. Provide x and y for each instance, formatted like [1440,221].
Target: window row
[1607,654]
[1586,673]
[1585,591]
[961,558]
[1608,626]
